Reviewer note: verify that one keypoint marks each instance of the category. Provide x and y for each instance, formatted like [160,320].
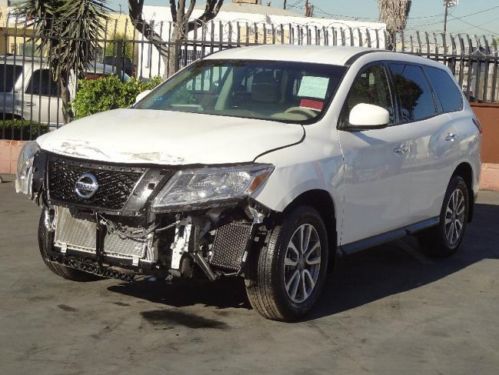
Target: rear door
[41,99]
[376,173]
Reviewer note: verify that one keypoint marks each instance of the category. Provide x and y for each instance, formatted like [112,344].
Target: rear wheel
[45,242]
[444,239]
[287,276]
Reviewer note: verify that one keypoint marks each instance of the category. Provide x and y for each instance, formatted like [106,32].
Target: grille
[115,183]
[230,244]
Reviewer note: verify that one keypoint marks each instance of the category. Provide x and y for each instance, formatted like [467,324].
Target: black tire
[266,274]
[435,242]
[45,241]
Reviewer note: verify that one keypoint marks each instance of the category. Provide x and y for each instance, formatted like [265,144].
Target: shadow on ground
[359,279]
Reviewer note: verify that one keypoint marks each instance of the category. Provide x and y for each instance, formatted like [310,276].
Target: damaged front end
[123,221]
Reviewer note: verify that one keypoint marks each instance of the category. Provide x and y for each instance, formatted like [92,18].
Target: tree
[68,30]
[394,14]
[182,25]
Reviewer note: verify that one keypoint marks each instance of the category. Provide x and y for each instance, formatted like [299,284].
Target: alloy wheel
[302,263]
[455,216]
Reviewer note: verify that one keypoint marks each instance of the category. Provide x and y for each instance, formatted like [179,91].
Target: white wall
[225,28]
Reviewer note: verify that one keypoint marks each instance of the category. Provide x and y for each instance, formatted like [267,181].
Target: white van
[263,163]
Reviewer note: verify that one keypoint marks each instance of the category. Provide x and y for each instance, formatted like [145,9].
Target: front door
[375,181]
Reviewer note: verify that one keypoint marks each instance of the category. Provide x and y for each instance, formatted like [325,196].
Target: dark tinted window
[41,83]
[414,93]
[370,87]
[8,76]
[447,92]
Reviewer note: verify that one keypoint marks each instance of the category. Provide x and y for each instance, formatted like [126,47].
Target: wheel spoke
[308,276]
[302,236]
[450,232]
[304,292]
[308,234]
[290,262]
[292,246]
[310,251]
[293,283]
[314,261]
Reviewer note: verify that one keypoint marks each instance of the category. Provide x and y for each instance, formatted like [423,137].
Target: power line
[322,11]
[475,26]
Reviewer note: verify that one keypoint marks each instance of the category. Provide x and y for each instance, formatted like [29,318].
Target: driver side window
[371,86]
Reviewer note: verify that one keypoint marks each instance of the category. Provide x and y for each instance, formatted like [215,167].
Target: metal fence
[28,93]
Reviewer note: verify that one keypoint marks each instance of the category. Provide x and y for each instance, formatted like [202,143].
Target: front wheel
[444,239]
[286,277]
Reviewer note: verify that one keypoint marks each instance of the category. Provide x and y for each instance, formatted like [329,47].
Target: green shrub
[107,93]
[21,129]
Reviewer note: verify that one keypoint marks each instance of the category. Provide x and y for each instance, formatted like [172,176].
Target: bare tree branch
[188,14]
[181,26]
[135,8]
[210,12]
[173,10]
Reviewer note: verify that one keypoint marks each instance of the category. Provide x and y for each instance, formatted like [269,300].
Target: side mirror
[368,116]
[142,95]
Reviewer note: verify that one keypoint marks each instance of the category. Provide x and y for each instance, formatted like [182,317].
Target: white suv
[264,163]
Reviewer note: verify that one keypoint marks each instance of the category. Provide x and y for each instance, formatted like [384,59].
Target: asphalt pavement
[388,310]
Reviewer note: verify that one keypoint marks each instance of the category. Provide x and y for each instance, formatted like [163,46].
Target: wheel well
[320,200]
[465,171]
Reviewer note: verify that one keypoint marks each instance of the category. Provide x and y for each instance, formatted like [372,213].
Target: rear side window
[8,76]
[414,92]
[447,92]
[41,83]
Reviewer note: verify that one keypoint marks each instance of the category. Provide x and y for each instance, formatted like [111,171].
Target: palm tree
[394,14]
[68,30]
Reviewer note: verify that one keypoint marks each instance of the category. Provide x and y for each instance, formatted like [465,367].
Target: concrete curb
[489,179]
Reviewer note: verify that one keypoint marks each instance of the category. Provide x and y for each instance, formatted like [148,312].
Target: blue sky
[470,16]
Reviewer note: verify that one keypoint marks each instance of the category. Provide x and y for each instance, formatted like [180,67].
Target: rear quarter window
[446,89]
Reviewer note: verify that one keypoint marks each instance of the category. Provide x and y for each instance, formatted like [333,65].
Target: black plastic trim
[357,56]
[380,239]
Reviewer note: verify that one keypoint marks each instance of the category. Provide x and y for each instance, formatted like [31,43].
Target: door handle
[401,150]
[451,137]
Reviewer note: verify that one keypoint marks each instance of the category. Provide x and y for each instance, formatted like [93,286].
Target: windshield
[8,76]
[278,91]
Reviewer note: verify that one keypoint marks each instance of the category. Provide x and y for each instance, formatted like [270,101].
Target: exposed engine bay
[99,219]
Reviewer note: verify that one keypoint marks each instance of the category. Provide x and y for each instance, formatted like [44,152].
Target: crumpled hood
[168,138]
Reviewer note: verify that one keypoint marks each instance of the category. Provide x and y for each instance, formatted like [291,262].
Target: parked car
[264,163]
[124,64]
[28,91]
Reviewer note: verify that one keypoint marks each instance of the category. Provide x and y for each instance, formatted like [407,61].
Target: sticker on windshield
[313,87]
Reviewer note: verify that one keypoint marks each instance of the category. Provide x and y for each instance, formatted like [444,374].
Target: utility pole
[448,4]
[309,9]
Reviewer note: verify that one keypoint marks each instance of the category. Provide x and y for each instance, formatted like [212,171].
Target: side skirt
[393,235]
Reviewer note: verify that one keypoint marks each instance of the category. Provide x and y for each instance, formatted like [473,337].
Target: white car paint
[374,188]
[163,137]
